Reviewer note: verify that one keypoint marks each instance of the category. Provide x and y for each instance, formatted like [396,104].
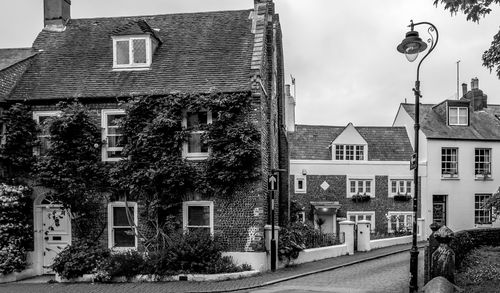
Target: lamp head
[412,45]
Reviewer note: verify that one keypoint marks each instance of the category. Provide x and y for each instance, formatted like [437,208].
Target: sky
[342,54]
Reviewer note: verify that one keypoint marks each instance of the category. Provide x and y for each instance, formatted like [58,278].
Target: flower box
[360,198]
[402,197]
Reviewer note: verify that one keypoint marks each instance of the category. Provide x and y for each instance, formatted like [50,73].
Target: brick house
[354,173]
[460,154]
[102,61]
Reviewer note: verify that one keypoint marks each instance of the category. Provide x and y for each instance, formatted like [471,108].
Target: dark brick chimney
[56,14]
[477,98]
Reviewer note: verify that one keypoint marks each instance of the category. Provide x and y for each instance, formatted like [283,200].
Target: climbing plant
[73,170]
[16,153]
[155,171]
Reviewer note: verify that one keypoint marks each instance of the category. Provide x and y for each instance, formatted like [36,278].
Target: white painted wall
[460,192]
[352,168]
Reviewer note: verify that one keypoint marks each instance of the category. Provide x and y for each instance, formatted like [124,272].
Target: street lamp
[411,46]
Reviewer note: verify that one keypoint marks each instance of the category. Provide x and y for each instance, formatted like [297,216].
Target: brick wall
[381,204]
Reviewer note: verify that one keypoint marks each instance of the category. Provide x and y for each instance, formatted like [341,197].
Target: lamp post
[411,46]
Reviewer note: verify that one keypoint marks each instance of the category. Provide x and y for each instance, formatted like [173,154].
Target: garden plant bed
[480,270]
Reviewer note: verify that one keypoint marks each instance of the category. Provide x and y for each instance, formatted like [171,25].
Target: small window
[399,222]
[300,185]
[131,52]
[449,162]
[482,163]
[198,215]
[400,187]
[196,122]
[112,135]
[482,215]
[349,152]
[301,217]
[458,116]
[360,187]
[122,225]
[41,118]
[366,216]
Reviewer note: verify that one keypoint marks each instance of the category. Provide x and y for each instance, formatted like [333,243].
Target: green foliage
[15,228]
[127,264]
[461,244]
[480,267]
[493,203]
[72,168]
[194,252]
[475,10]
[155,171]
[291,242]
[20,138]
[79,258]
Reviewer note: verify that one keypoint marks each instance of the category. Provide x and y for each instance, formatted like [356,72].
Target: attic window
[132,52]
[458,116]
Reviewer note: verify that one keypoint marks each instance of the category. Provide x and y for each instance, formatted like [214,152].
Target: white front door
[56,234]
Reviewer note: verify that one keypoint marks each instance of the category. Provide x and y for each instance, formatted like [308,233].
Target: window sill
[483,225]
[131,68]
[300,191]
[196,158]
[450,178]
[483,179]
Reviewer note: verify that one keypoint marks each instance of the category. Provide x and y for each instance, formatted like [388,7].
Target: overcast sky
[342,53]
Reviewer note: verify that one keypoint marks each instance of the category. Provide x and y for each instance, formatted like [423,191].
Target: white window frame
[399,213]
[131,65]
[449,175]
[457,111]
[482,210]
[111,237]
[195,156]
[355,149]
[486,163]
[104,126]
[363,214]
[197,203]
[302,217]
[302,179]
[36,117]
[398,181]
[358,180]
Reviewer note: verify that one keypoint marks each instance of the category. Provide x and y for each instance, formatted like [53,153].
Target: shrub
[78,259]
[15,227]
[194,252]
[480,265]
[291,242]
[461,244]
[128,264]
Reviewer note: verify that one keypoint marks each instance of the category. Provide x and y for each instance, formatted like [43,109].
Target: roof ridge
[132,17]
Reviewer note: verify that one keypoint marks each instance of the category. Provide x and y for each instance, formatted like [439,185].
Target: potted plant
[402,197]
[358,197]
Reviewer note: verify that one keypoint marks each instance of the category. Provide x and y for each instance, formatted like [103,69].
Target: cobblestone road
[387,274]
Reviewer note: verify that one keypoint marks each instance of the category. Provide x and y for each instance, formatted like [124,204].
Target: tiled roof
[9,57]
[200,52]
[312,142]
[484,124]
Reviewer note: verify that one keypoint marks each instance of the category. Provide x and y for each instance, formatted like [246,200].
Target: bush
[12,259]
[291,242]
[127,264]
[461,244]
[480,265]
[194,252]
[78,259]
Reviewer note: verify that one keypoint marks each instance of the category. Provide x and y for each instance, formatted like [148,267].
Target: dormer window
[132,52]
[345,152]
[458,116]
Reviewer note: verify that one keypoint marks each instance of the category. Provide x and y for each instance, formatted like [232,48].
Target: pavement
[40,284]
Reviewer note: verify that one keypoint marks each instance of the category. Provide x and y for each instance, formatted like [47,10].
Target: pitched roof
[312,142]
[11,56]
[484,124]
[200,52]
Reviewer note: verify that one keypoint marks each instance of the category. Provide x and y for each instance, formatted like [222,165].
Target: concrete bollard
[364,235]
[347,227]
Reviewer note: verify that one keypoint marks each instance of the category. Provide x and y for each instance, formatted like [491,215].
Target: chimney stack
[56,14]
[464,89]
[289,110]
[474,84]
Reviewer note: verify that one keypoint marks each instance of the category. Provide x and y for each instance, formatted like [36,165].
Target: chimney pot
[474,85]
[464,89]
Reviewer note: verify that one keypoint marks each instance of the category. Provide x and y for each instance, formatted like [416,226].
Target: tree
[475,10]
[493,203]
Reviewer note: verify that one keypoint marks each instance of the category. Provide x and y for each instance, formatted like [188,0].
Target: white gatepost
[363,235]
[347,227]
[421,229]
